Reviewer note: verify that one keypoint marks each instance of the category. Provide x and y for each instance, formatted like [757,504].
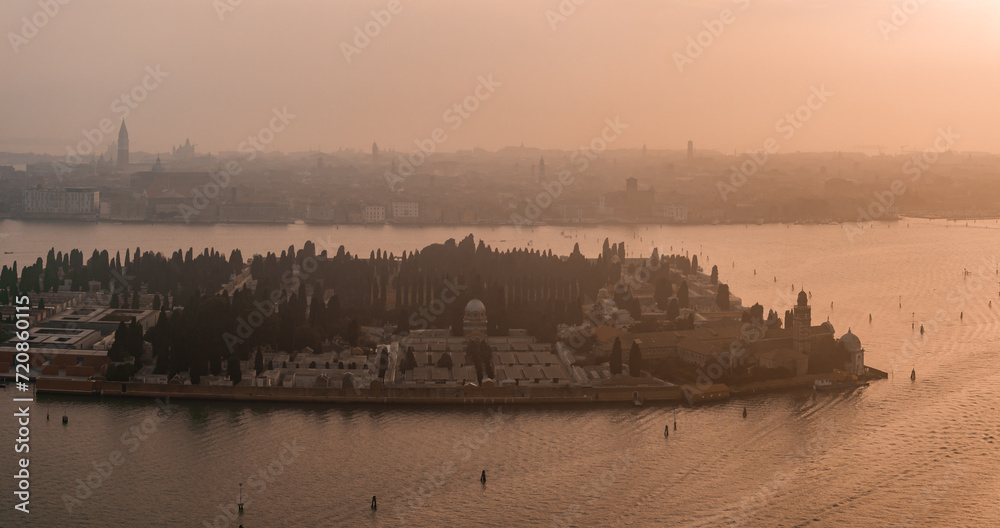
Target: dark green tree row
[430,288]
[303,298]
[175,276]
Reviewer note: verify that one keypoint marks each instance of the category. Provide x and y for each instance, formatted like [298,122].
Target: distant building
[690,149]
[157,167]
[629,204]
[184,151]
[373,214]
[409,210]
[151,181]
[64,202]
[320,212]
[672,212]
[123,147]
[254,212]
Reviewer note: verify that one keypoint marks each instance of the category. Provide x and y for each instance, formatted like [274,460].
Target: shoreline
[568,224]
[430,395]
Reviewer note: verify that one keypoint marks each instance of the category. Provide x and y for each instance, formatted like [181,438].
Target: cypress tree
[635,360]
[616,357]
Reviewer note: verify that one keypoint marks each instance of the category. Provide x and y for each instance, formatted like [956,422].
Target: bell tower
[123,147]
[801,324]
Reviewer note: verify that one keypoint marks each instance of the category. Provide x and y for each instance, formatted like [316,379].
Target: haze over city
[503,263]
[561,69]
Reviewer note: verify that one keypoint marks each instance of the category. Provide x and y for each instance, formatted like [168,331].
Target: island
[457,322]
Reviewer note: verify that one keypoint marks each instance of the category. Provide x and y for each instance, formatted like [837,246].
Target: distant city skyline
[895,78]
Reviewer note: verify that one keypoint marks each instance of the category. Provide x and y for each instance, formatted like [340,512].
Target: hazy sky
[892,84]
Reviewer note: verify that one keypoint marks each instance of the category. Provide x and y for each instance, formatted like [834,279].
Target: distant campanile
[123,147]
[690,149]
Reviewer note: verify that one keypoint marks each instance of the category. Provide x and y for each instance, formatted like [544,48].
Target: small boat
[913,375]
[8,252]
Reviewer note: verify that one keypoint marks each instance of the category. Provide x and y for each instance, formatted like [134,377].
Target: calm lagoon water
[895,453]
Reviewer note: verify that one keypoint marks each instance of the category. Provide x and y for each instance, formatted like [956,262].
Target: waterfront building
[67,363]
[320,213]
[374,214]
[78,202]
[799,349]
[254,212]
[405,210]
[852,345]
[671,212]
[802,324]
[630,204]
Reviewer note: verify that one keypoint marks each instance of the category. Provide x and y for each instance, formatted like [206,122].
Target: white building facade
[68,201]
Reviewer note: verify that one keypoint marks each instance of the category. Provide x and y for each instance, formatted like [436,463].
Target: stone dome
[475,311]
[828,327]
[850,342]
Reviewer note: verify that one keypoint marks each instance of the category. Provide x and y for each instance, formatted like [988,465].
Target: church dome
[803,298]
[850,342]
[828,327]
[475,311]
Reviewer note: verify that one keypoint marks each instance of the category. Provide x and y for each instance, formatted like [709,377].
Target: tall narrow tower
[690,149]
[123,147]
[802,324]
